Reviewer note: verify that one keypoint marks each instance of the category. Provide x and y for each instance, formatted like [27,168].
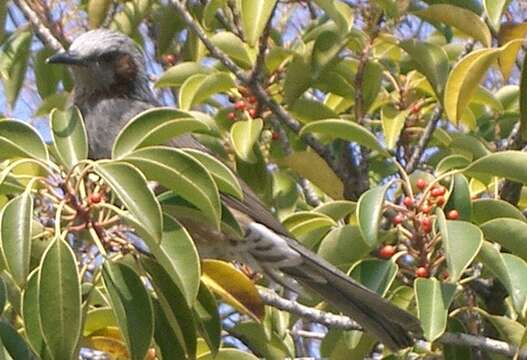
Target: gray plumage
[111,86]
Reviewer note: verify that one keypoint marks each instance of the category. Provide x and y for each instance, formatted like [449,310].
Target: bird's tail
[393,326]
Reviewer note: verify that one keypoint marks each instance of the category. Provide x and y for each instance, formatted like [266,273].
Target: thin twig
[423,141]
[43,33]
[345,323]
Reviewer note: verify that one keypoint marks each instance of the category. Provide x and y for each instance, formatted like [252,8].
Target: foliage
[418,105]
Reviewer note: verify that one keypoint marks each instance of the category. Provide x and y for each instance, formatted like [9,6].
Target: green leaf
[339,12]
[224,178]
[487,209]
[130,186]
[509,269]
[307,110]
[430,60]
[46,77]
[18,139]
[3,295]
[14,343]
[509,233]
[377,275]
[234,47]
[461,242]
[177,74]
[508,164]
[372,78]
[269,346]
[97,12]
[392,123]
[69,136]
[180,172]
[16,220]
[13,66]
[523,100]
[59,300]
[494,10]
[31,316]
[244,134]
[459,197]
[200,87]
[297,79]
[303,222]
[174,306]
[450,162]
[464,80]
[208,318]
[464,20]
[346,130]
[164,335]
[154,127]
[57,100]
[433,300]
[228,354]
[132,307]
[337,209]
[369,213]
[343,246]
[210,11]
[255,15]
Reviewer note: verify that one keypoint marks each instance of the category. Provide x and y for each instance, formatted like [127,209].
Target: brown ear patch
[125,67]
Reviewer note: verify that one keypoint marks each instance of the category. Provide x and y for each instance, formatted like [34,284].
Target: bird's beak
[67,58]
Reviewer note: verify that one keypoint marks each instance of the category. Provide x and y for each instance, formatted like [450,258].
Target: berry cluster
[246,104]
[420,257]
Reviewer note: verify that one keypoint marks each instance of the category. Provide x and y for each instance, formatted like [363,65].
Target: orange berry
[275,135]
[425,209]
[169,59]
[252,100]
[440,200]
[240,105]
[387,251]
[422,272]
[426,224]
[415,108]
[94,198]
[453,215]
[421,184]
[231,116]
[253,113]
[408,202]
[397,219]
[438,191]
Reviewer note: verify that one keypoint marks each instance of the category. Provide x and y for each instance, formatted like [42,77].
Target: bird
[111,85]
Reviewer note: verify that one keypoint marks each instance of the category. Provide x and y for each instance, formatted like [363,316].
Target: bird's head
[104,61]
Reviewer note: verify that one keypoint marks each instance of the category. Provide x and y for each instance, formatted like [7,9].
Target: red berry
[252,100]
[231,116]
[438,191]
[425,209]
[387,251]
[440,200]
[421,272]
[421,184]
[253,113]
[275,135]
[240,105]
[453,215]
[397,219]
[94,198]
[169,59]
[415,109]
[408,202]
[445,275]
[426,224]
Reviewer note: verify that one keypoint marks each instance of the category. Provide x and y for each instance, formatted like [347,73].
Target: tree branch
[345,323]
[43,33]
[257,90]
[424,140]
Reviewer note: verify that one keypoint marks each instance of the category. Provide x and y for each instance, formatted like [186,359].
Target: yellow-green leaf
[244,135]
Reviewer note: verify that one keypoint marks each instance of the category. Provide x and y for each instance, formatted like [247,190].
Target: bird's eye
[107,57]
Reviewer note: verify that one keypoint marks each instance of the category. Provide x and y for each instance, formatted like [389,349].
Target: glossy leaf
[166,340]
[233,287]
[224,178]
[177,311]
[13,342]
[59,300]
[16,50]
[234,47]
[523,100]
[210,11]
[177,74]
[461,242]
[509,233]
[297,79]
[433,300]
[392,123]
[18,139]
[484,210]
[244,135]
[269,345]
[132,307]
[346,130]
[228,354]
[154,127]
[16,221]
[69,136]
[510,32]
[462,19]
[377,275]
[430,60]
[311,166]
[494,10]
[508,164]
[369,213]
[130,186]
[336,209]
[338,12]
[255,15]
[200,87]
[181,173]
[208,318]
[303,222]
[97,12]
[459,197]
